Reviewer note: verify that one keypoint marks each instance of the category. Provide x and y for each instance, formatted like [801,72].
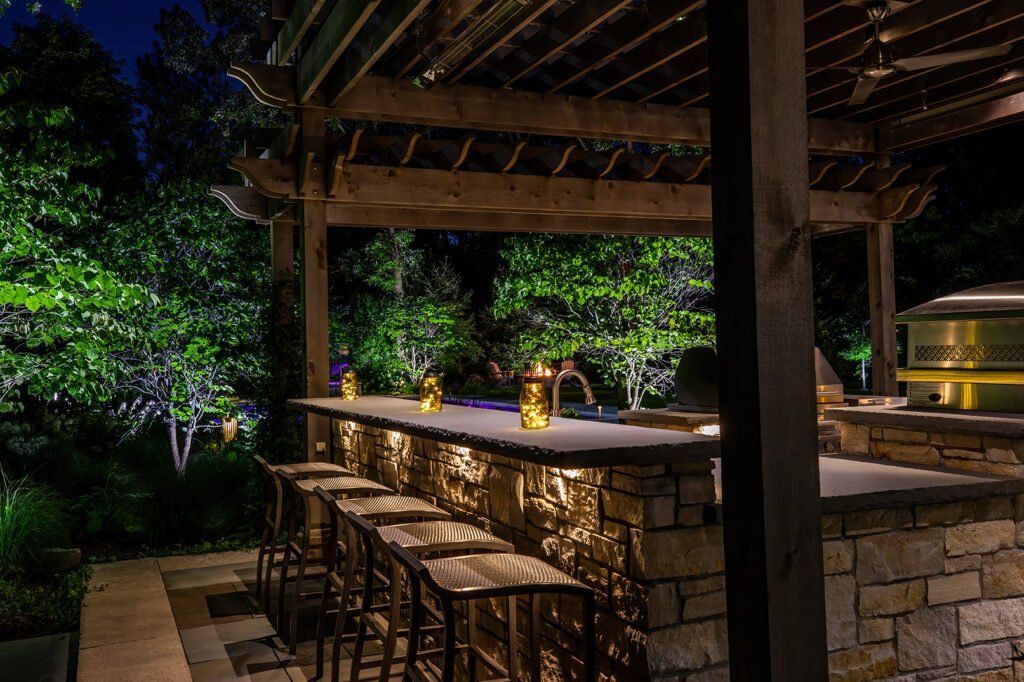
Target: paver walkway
[182,618]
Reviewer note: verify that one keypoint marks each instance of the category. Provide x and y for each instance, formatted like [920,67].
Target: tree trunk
[186,449]
[396,257]
[172,435]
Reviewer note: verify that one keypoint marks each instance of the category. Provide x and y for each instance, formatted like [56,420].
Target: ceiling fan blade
[848,69]
[865,86]
[932,61]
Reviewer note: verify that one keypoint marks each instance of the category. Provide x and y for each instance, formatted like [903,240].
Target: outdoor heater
[966,350]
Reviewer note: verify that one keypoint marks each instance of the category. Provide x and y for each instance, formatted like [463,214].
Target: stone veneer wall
[636,534]
[981,454]
[913,593]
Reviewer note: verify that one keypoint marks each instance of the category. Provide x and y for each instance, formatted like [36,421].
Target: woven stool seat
[312,469]
[347,485]
[392,506]
[440,536]
[496,571]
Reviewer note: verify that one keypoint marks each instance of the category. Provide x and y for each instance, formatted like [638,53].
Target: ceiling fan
[877,61]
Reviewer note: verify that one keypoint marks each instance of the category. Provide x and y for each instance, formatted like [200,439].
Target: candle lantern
[229,429]
[533,404]
[430,393]
[349,385]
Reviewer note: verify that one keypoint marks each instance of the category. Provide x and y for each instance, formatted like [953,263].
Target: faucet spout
[588,393]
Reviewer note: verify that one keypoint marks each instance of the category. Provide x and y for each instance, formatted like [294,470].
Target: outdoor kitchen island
[922,566]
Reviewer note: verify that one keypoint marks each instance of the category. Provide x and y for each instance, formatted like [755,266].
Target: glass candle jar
[430,393]
[533,404]
[349,385]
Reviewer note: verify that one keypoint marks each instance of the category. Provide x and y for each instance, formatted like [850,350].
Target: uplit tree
[202,337]
[630,305]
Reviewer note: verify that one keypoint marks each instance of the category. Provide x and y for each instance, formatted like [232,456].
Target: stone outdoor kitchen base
[915,590]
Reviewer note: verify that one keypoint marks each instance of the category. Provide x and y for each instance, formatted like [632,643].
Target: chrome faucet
[587,393]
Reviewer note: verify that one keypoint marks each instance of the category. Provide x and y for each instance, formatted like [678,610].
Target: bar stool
[272,517]
[486,576]
[380,508]
[420,539]
[312,538]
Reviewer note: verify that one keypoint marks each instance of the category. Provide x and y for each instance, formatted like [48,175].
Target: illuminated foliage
[629,305]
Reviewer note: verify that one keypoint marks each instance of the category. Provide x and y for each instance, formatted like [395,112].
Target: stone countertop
[566,444]
[931,420]
[852,482]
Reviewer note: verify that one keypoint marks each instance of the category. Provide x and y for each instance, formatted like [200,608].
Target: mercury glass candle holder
[349,385]
[533,404]
[431,393]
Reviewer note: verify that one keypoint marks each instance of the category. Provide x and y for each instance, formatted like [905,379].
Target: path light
[430,393]
[533,404]
[349,385]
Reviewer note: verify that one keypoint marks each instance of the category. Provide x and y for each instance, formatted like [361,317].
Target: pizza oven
[965,351]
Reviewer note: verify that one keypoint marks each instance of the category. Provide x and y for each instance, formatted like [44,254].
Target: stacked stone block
[980,454]
[913,593]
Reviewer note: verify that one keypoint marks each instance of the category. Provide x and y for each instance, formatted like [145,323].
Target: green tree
[62,312]
[64,66]
[859,350]
[630,305]
[411,316]
[203,340]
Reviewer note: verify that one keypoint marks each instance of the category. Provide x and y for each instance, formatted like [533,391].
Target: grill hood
[989,302]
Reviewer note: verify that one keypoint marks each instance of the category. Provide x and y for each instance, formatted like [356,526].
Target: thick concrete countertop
[567,443]
[932,420]
[852,482]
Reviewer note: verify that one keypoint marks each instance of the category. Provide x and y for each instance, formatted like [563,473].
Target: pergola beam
[300,20]
[470,107]
[362,185]
[345,215]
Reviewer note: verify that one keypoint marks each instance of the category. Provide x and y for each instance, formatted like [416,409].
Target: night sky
[125,27]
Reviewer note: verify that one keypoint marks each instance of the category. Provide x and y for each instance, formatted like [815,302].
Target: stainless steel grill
[966,350]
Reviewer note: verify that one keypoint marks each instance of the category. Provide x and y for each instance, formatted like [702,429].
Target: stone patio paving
[186,617]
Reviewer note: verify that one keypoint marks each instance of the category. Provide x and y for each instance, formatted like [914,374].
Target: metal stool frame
[303,490]
[270,543]
[420,578]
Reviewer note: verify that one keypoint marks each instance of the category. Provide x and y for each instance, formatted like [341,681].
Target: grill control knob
[935,397]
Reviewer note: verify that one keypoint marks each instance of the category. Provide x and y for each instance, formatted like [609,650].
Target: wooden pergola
[596,116]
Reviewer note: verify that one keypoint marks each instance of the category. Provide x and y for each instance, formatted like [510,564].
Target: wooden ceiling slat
[438,25]
[299,21]
[679,38]
[970,119]
[625,34]
[578,20]
[537,8]
[370,44]
[340,27]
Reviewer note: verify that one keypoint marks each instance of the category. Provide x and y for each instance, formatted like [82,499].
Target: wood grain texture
[774,574]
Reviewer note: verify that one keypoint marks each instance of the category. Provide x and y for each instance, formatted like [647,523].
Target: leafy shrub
[32,519]
[36,608]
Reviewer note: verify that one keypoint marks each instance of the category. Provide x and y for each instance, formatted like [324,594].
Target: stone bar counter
[924,567]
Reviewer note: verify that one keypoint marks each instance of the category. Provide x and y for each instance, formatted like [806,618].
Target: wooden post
[882,300]
[314,277]
[772,507]
[283,335]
